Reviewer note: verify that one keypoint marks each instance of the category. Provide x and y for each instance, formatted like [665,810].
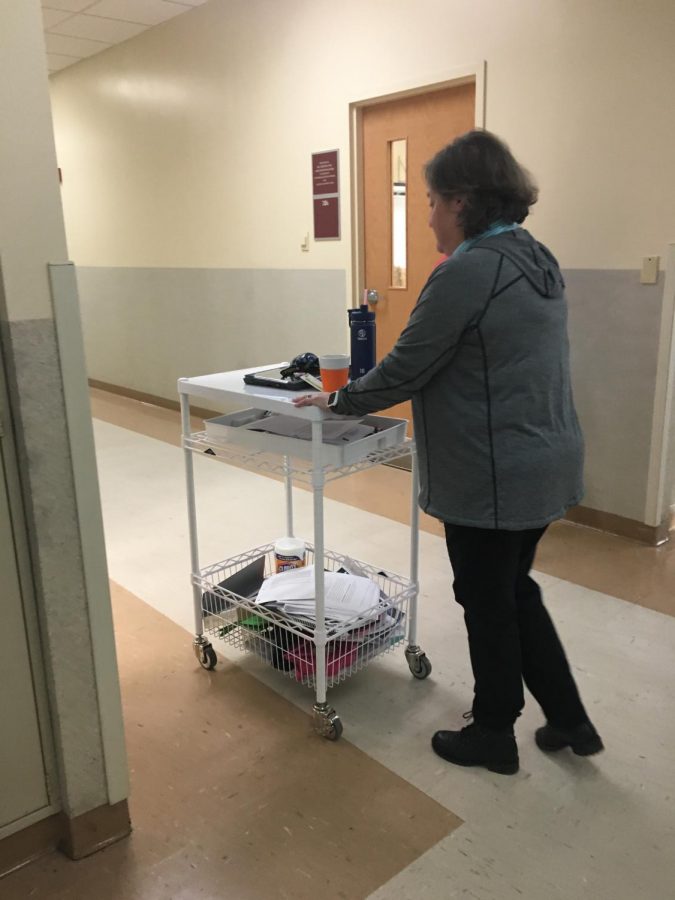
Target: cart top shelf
[229,386]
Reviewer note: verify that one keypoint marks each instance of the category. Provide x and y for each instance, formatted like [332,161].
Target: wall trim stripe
[622,526]
[152,399]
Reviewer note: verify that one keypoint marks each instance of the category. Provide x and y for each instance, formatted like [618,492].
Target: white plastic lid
[290,546]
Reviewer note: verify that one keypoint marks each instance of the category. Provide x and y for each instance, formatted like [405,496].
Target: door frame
[659,508]
[469,74]
[10,473]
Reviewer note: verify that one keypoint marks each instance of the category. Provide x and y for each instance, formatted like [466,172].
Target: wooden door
[425,123]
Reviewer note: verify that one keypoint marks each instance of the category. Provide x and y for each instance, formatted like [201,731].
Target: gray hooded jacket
[485,360]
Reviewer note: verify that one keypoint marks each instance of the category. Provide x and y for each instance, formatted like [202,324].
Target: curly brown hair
[480,167]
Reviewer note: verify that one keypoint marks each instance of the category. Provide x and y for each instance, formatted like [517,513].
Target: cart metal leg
[417,660]
[288,478]
[202,646]
[326,721]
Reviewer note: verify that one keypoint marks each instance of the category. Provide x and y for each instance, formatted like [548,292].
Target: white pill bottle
[289,553]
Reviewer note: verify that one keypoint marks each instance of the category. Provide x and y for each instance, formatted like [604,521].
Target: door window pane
[399,217]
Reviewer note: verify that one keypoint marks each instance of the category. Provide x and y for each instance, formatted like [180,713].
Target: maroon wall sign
[326,195]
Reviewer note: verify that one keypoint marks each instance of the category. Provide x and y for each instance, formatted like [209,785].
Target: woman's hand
[320,400]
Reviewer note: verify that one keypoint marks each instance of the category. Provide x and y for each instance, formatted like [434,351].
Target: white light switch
[650,270]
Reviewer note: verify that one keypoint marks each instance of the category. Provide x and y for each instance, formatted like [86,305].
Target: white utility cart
[318,651]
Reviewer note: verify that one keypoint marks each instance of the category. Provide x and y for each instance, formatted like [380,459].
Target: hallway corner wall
[84,714]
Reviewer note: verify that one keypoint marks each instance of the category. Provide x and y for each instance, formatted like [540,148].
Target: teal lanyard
[497,228]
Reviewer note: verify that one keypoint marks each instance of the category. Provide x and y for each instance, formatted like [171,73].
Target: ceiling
[76,29]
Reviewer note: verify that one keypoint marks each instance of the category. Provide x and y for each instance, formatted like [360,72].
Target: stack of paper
[346,596]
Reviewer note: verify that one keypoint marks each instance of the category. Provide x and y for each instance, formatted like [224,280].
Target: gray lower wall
[144,328]
[670,456]
[614,324]
[671,462]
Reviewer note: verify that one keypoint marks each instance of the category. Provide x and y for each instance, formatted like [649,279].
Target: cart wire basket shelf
[301,469]
[288,643]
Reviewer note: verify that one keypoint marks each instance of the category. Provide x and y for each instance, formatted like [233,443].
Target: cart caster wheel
[328,724]
[333,729]
[419,665]
[207,657]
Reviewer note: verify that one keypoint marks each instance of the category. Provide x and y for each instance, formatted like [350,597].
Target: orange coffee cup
[334,371]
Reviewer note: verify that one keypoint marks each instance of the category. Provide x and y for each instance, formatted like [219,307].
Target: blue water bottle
[362,330]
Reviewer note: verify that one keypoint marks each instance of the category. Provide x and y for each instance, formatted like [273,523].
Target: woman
[485,360]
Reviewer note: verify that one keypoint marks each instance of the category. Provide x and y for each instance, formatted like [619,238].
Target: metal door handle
[371,296]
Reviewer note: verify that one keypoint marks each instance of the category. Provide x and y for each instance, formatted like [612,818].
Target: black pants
[511,636]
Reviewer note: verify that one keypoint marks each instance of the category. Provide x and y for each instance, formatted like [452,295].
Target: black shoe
[478,746]
[584,739]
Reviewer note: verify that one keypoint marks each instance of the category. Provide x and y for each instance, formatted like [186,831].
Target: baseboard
[153,399]
[94,830]
[30,843]
[401,462]
[77,837]
[620,525]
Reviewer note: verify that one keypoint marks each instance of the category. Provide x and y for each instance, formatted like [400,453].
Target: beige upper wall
[190,144]
[31,219]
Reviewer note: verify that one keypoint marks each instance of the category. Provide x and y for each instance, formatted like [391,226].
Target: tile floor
[563,828]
